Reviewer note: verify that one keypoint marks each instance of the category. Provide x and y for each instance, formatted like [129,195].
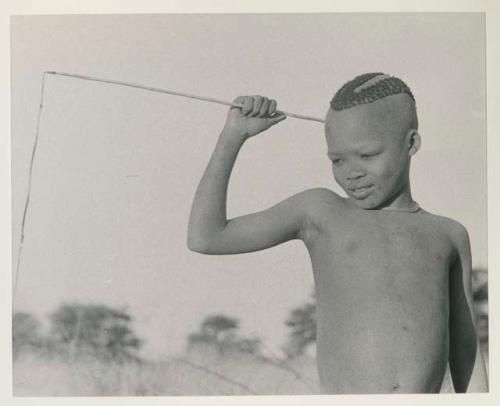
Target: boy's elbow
[198,245]
[195,245]
[204,240]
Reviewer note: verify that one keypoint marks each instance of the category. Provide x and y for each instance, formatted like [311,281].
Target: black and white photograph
[238,204]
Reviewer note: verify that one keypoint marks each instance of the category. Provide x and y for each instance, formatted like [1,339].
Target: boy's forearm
[467,367]
[208,212]
[479,379]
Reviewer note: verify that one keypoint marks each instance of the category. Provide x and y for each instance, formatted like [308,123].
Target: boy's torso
[382,299]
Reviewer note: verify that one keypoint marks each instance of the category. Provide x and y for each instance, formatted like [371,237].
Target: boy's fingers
[272,107]
[279,116]
[239,100]
[257,104]
[248,105]
[264,109]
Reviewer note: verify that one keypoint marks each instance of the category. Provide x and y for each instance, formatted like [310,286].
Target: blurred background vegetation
[92,350]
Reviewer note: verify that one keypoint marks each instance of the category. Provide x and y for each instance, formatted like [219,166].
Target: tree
[302,324]
[94,329]
[25,333]
[480,285]
[480,295]
[249,345]
[220,331]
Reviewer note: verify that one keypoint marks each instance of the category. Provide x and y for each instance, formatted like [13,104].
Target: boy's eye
[337,161]
[367,156]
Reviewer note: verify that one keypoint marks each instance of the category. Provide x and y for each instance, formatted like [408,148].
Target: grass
[202,372]
[198,374]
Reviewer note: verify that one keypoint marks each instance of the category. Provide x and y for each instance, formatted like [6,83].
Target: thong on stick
[175,93]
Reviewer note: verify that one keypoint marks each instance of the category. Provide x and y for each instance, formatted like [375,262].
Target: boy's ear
[414,141]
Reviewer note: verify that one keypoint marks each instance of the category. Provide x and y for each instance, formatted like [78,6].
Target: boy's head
[371,133]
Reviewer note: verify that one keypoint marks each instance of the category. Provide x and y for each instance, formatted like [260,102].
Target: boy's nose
[355,175]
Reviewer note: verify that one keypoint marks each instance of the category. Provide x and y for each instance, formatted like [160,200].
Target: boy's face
[370,148]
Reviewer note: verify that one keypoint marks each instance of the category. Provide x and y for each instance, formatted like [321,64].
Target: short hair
[367,88]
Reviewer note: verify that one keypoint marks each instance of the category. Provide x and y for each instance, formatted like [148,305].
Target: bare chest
[386,251]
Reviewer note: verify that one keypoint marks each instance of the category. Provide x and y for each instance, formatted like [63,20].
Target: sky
[116,168]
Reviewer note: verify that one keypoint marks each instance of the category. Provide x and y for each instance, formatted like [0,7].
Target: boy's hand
[258,114]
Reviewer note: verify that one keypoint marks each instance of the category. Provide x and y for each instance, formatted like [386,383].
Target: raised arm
[468,371]
[210,232]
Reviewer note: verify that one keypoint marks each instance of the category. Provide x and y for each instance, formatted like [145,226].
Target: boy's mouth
[360,192]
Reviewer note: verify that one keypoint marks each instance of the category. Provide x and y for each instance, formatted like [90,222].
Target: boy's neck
[403,201]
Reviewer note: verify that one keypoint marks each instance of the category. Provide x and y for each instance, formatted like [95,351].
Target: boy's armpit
[318,205]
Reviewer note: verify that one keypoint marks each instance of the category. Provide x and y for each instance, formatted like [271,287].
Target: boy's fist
[257,114]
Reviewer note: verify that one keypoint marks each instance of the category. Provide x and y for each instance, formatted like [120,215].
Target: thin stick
[214,373]
[27,202]
[175,93]
[282,364]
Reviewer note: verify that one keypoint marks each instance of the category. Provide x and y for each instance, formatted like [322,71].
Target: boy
[392,280]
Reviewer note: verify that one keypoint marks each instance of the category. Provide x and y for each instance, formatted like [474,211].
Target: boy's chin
[365,204]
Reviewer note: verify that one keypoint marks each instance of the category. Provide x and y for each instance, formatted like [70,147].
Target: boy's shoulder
[322,194]
[317,198]
[456,231]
